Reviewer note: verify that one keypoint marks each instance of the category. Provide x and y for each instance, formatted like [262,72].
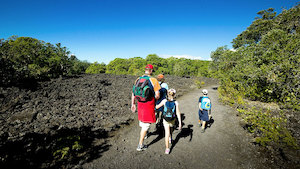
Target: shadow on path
[215,88]
[185,132]
[161,133]
[62,148]
[209,123]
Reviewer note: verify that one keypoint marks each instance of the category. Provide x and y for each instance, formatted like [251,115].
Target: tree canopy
[170,66]
[26,58]
[265,64]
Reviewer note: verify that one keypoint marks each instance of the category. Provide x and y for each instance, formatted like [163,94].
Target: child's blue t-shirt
[200,100]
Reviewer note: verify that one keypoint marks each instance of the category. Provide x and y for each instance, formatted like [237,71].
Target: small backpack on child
[205,103]
[169,112]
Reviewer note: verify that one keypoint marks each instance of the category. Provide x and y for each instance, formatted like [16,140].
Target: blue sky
[102,30]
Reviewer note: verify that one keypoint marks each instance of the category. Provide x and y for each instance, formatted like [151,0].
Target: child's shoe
[167,151]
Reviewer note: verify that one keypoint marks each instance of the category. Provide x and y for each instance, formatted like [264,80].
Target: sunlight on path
[223,145]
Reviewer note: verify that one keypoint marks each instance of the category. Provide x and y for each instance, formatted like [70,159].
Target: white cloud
[182,56]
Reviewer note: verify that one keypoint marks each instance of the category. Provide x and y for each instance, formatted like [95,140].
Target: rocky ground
[38,123]
[72,122]
[225,144]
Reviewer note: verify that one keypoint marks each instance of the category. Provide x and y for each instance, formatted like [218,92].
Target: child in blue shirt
[204,109]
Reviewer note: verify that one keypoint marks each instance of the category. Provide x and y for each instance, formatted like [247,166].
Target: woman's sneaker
[141,147]
[167,151]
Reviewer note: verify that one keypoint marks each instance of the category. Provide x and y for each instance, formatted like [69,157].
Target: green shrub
[65,146]
[269,129]
[199,84]
[96,68]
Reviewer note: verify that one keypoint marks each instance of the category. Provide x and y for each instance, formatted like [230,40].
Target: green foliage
[199,83]
[66,146]
[257,29]
[118,66]
[96,68]
[229,94]
[171,66]
[267,67]
[26,58]
[268,128]
[61,153]
[78,67]
[137,65]
[264,66]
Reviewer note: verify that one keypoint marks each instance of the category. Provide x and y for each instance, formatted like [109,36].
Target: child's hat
[204,91]
[172,90]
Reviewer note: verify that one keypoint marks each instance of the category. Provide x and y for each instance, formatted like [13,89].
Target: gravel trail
[223,145]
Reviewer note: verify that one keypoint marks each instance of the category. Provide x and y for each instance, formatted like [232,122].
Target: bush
[199,84]
[96,68]
[269,129]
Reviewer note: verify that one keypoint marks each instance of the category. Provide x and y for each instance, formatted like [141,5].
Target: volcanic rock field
[38,123]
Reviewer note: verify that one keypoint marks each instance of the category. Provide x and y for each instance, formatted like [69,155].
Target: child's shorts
[169,123]
[203,115]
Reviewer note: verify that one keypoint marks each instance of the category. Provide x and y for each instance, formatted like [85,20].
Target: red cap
[149,67]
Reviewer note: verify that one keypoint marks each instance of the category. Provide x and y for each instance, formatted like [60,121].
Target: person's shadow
[185,132]
[161,134]
[209,123]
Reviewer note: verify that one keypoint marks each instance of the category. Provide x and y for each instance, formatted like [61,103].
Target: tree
[254,32]
[137,66]
[118,66]
[266,60]
[28,59]
[96,68]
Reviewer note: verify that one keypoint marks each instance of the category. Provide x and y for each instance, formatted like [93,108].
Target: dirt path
[224,145]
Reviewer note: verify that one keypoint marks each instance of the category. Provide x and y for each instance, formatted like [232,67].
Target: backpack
[163,93]
[169,112]
[142,90]
[205,103]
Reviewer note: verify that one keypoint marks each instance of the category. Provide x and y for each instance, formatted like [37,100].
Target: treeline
[263,66]
[26,59]
[170,66]
[136,66]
